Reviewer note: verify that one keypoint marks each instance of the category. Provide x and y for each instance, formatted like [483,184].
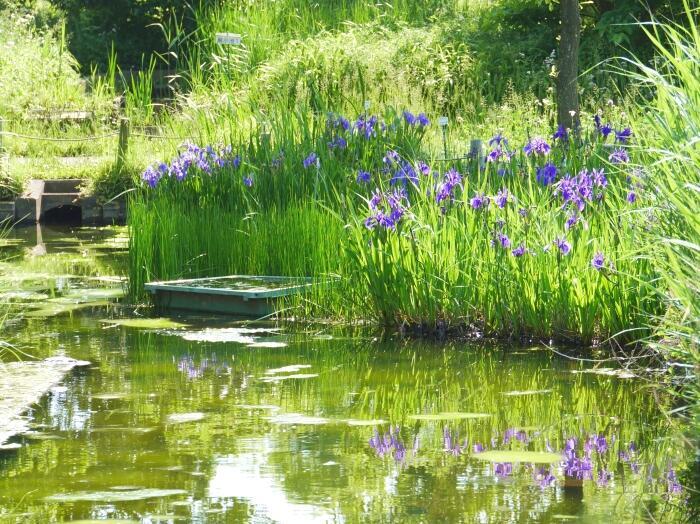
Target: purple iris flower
[311,160]
[151,176]
[477,448]
[363,177]
[497,154]
[619,156]
[504,241]
[547,174]
[623,136]
[338,143]
[423,168]
[598,261]
[563,245]
[561,134]
[248,181]
[479,201]
[391,157]
[631,197]
[498,140]
[519,251]
[571,221]
[537,146]
[409,117]
[423,120]
[502,198]
[599,178]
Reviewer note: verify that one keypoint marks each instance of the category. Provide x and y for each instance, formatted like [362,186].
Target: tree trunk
[567,81]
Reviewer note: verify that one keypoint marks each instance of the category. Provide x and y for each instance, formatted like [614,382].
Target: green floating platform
[254,296]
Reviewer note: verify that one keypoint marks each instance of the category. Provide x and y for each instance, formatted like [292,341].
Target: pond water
[194,419]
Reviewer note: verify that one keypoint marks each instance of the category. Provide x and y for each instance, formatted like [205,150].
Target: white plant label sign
[367,105]
[442,121]
[228,39]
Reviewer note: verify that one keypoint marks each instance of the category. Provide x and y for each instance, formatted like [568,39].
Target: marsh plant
[536,239]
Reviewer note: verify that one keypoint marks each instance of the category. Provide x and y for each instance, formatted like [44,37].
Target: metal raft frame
[187,296]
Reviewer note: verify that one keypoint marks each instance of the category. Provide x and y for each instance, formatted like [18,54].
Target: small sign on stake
[228,39]
[367,105]
[442,121]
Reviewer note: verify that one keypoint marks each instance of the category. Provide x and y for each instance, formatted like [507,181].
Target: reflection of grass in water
[371,381]
[358,379]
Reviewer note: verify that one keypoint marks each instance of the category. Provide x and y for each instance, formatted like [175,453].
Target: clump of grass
[671,125]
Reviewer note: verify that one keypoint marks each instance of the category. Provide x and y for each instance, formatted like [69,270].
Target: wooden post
[123,147]
[476,150]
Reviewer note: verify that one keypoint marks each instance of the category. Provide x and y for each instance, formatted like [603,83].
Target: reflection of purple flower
[477,448]
[503,469]
[604,477]
[672,485]
[388,443]
[544,478]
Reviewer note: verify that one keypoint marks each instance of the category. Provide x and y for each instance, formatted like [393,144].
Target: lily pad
[95,294]
[123,429]
[145,323]
[534,457]
[239,335]
[252,407]
[52,309]
[278,378]
[608,372]
[296,418]
[359,422]
[114,496]
[109,396]
[271,345]
[288,369]
[183,418]
[448,416]
[527,392]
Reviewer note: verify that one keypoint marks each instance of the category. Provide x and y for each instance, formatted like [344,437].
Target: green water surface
[218,420]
